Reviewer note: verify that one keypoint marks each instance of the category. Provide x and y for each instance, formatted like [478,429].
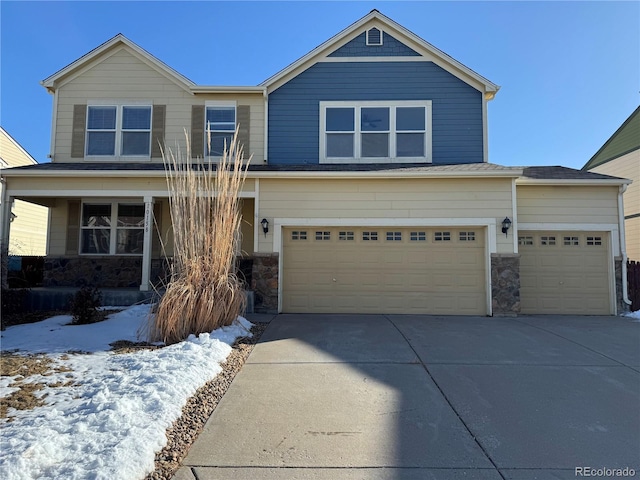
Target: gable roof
[52,82]
[377,19]
[626,139]
[7,159]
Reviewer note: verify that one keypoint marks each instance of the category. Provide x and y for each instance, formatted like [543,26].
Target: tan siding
[627,166]
[123,77]
[567,204]
[58,228]
[137,186]
[11,153]
[385,198]
[632,228]
[28,234]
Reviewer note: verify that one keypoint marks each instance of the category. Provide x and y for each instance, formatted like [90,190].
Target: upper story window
[374,36]
[375,132]
[118,130]
[220,125]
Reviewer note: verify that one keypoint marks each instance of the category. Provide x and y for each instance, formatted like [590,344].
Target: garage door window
[298,235]
[442,236]
[571,241]
[594,241]
[394,236]
[418,236]
[467,236]
[323,235]
[346,236]
[369,236]
[525,240]
[547,241]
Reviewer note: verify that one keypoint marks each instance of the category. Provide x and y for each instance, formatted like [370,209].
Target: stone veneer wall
[101,272]
[505,284]
[622,307]
[264,282]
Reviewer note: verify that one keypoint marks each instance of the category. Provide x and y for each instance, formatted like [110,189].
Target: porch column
[5,222]
[145,284]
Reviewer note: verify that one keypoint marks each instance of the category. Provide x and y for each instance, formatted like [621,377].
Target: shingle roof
[562,173]
[482,169]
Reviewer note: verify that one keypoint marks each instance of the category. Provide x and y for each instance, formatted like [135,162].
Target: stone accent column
[264,282]
[505,284]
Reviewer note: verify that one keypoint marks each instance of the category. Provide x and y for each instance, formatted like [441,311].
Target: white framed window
[115,228]
[375,132]
[418,236]
[299,235]
[118,130]
[219,126]
[369,236]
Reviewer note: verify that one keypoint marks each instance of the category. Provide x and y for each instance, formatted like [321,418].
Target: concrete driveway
[408,397]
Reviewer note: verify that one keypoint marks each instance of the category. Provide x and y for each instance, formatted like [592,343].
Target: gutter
[623,244]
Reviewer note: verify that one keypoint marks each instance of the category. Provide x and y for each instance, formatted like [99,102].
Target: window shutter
[243,120]
[157,131]
[73,227]
[156,248]
[78,131]
[197,131]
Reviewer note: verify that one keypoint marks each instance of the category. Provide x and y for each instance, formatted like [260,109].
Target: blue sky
[569,71]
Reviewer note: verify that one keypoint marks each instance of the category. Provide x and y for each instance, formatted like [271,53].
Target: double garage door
[564,273]
[384,270]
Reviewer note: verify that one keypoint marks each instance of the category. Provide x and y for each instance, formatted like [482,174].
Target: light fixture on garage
[265,226]
[506,224]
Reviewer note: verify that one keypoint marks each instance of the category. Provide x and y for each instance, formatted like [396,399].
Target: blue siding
[294,108]
[390,48]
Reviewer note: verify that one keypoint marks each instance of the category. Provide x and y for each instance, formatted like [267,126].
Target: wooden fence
[633,282]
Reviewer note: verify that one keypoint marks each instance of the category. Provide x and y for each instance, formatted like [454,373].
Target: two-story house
[370,170]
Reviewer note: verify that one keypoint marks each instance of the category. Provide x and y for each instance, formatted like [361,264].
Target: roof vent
[374,37]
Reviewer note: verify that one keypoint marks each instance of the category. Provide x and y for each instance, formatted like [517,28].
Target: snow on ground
[112,421]
[635,315]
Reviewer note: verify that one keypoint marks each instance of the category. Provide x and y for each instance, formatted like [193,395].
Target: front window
[220,125]
[375,132]
[118,130]
[112,229]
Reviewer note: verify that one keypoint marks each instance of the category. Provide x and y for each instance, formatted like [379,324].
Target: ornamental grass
[203,292]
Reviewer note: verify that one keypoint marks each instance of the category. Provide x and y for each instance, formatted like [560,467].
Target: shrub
[204,292]
[84,306]
[12,306]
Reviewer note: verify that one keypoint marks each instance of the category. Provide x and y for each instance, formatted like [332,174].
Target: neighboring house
[620,156]
[28,220]
[370,165]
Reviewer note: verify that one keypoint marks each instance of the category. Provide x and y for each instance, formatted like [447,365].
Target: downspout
[623,244]
[266,124]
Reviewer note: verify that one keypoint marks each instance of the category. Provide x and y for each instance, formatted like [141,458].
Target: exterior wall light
[506,224]
[265,226]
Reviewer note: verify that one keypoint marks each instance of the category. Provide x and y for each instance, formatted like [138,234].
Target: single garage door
[384,270]
[564,273]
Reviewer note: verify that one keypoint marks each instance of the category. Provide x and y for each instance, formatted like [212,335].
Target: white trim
[266,127]
[184,82]
[256,215]
[28,157]
[623,244]
[488,223]
[369,44]
[412,58]
[573,181]
[101,193]
[375,18]
[145,284]
[393,105]
[227,89]
[514,215]
[54,126]
[485,130]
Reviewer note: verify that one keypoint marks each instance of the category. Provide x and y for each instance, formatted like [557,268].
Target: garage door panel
[413,274]
[570,277]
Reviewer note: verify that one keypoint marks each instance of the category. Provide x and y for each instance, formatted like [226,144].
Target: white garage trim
[614,246]
[489,225]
